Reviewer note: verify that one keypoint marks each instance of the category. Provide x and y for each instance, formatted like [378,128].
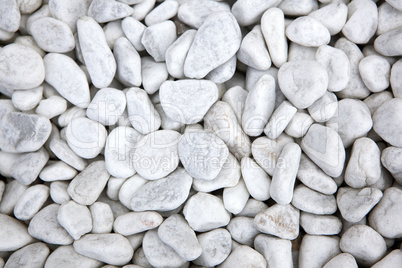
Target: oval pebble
[309,32]
[387,121]
[216,247]
[31,202]
[75,218]
[157,38]
[67,256]
[108,10]
[313,202]
[33,255]
[102,218]
[136,222]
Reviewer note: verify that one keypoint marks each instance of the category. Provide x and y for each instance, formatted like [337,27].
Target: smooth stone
[86,137]
[313,177]
[75,218]
[52,35]
[187,101]
[395,4]
[21,67]
[222,121]
[284,177]
[102,218]
[313,202]
[103,247]
[299,52]
[113,31]
[333,16]
[276,251]
[257,181]
[12,192]
[117,208]
[343,259]
[31,202]
[377,99]
[244,256]
[194,12]
[113,187]
[166,122]
[45,227]
[98,57]
[140,259]
[67,78]
[273,29]
[107,106]
[33,255]
[128,63]
[389,18]
[355,87]
[303,82]
[364,167]
[391,260]
[158,253]
[64,153]
[324,108]
[128,188]
[216,247]
[28,166]
[142,114]
[133,30]
[362,21]
[236,97]
[7,161]
[395,79]
[328,153]
[229,176]
[51,107]
[252,208]
[157,38]
[153,74]
[315,251]
[266,151]
[66,256]
[176,53]
[108,10]
[307,31]
[279,120]
[176,233]
[278,220]
[13,233]
[202,154]
[162,12]
[10,21]
[364,243]
[375,72]
[355,204]
[205,212]
[387,122]
[385,217]
[68,11]
[298,7]
[320,224]
[390,159]
[163,194]
[44,11]
[87,186]
[242,230]
[248,12]
[120,146]
[337,64]
[136,222]
[259,106]
[223,72]
[25,100]
[156,155]
[207,51]
[142,9]
[235,198]
[253,51]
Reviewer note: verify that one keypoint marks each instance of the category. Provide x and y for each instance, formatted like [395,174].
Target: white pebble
[142,9]
[313,202]
[153,74]
[75,218]
[333,16]
[51,107]
[244,256]
[66,254]
[258,182]
[216,247]
[344,259]
[307,31]
[387,121]
[65,154]
[277,251]
[11,16]
[320,224]
[25,100]
[128,62]
[316,250]
[375,73]
[129,187]
[235,198]
[33,255]
[102,218]
[133,29]
[279,120]
[108,10]
[236,98]
[136,222]
[157,38]
[392,260]
[248,12]
[28,166]
[162,12]
[242,230]
[31,202]
[13,234]
[324,108]
[58,192]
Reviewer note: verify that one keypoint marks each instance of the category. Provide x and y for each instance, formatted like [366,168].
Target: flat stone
[136,222]
[216,247]
[278,220]
[29,165]
[316,250]
[108,10]
[337,64]
[364,167]
[31,202]
[52,35]
[257,181]
[13,233]
[259,105]
[313,202]
[33,255]
[57,170]
[45,227]
[249,12]
[207,50]
[364,243]
[163,194]
[75,218]
[385,217]
[86,187]
[86,137]
[64,153]
[328,153]
[187,101]
[67,78]
[128,63]
[303,82]
[97,55]
[320,224]
[176,233]
[387,121]
[205,212]
[343,259]
[333,16]
[67,256]
[157,38]
[102,247]
[309,32]
[244,256]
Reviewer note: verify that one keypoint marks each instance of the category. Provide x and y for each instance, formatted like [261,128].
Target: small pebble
[31,202]
[33,255]
[277,251]
[320,224]
[307,31]
[316,250]
[343,259]
[136,222]
[108,10]
[102,218]
[244,256]
[313,202]
[157,38]
[386,121]
[66,255]
[75,218]
[13,233]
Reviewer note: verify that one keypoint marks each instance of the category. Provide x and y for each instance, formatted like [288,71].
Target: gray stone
[313,202]
[242,230]
[28,166]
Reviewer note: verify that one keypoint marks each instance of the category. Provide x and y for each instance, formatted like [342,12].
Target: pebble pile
[201,133]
